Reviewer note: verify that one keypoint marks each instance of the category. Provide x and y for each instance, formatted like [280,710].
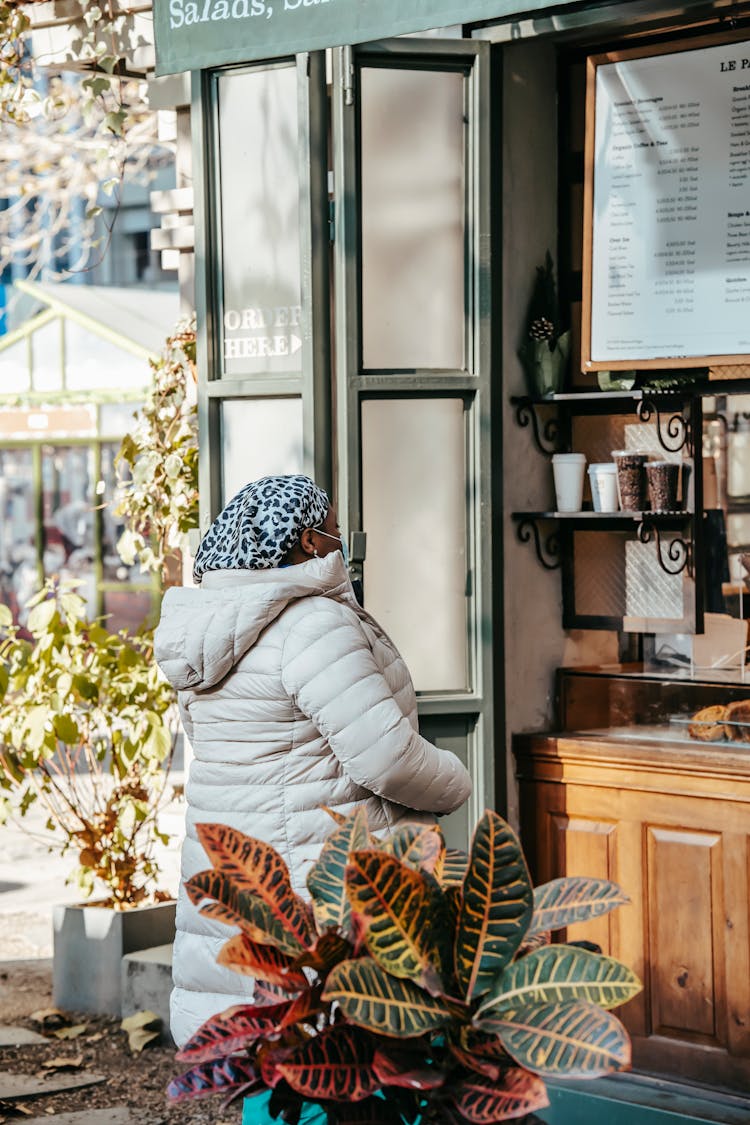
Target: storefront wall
[314,350]
[322,348]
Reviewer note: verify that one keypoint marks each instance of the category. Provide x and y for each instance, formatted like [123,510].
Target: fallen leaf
[142,1028]
[52,1017]
[140,1019]
[64,1062]
[95,1038]
[140,1037]
[70,1032]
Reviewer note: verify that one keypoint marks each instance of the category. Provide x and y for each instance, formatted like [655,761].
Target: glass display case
[636,703]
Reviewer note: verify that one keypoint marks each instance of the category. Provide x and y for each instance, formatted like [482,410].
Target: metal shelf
[673,557]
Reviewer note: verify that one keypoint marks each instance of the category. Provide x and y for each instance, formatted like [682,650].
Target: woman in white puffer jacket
[293,699]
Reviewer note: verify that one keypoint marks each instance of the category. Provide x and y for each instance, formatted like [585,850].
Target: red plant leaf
[472,1062]
[255,867]
[393,1073]
[261,961]
[241,1026]
[303,1007]
[266,993]
[225,906]
[329,949]
[227,1077]
[269,1058]
[335,1066]
[230,1032]
[483,1102]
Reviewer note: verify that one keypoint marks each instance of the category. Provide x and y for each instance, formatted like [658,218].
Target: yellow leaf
[70,1032]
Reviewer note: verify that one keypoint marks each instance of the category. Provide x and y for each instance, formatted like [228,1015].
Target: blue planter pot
[255,1112]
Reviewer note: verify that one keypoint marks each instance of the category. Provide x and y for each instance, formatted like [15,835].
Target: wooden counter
[669,822]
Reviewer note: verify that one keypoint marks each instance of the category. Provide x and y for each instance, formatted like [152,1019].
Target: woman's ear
[307,542]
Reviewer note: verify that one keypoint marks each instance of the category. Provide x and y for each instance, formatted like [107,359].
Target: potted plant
[418,986]
[86,732]
[545,348]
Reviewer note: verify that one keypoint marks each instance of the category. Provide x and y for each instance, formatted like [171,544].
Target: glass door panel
[260,227]
[414,510]
[260,437]
[412,218]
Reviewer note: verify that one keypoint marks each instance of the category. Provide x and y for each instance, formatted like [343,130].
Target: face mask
[341,542]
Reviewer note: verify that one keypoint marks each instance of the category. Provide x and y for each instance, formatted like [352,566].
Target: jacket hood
[205,630]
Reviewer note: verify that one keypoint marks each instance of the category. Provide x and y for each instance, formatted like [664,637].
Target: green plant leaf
[255,867]
[325,880]
[484,1101]
[562,972]
[334,1066]
[40,617]
[6,617]
[369,997]
[262,961]
[416,846]
[401,913]
[66,729]
[562,902]
[575,1039]
[496,905]
[451,867]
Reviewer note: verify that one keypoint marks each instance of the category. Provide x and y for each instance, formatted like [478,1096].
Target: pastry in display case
[630,703]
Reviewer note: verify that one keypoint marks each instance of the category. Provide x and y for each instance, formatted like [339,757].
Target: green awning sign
[195,34]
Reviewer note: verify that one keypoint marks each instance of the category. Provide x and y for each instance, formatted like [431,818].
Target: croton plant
[419,983]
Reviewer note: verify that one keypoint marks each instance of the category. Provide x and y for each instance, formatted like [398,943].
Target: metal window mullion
[36,476]
[271,386]
[204,119]
[346,285]
[98,531]
[314,272]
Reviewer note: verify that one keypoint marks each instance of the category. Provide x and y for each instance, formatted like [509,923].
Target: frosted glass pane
[260,221]
[46,348]
[260,437]
[93,363]
[412,219]
[414,513]
[14,369]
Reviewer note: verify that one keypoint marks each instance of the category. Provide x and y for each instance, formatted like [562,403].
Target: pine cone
[541,329]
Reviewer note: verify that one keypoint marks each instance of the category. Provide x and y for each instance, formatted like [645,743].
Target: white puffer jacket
[293,698]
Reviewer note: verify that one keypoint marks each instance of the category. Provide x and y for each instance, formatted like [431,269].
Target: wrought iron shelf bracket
[674,432]
[673,558]
[545,433]
[546,544]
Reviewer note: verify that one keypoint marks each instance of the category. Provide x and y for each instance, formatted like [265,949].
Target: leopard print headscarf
[261,524]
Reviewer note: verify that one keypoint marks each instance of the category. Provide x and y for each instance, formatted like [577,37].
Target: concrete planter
[89,944]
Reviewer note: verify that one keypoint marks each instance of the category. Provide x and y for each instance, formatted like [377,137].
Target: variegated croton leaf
[325,880]
[334,1066]
[259,871]
[402,914]
[496,905]
[563,902]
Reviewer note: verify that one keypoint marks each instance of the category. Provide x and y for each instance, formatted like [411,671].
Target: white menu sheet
[670,266]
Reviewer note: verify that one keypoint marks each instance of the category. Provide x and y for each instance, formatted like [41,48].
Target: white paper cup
[568,470]
[603,481]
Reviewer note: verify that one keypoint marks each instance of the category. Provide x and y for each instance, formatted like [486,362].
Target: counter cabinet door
[685,864]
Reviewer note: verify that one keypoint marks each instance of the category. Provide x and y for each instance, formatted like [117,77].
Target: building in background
[71,376]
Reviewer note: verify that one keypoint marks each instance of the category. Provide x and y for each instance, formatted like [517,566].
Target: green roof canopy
[195,34]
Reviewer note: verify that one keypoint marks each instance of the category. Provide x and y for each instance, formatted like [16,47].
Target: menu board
[667,254]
